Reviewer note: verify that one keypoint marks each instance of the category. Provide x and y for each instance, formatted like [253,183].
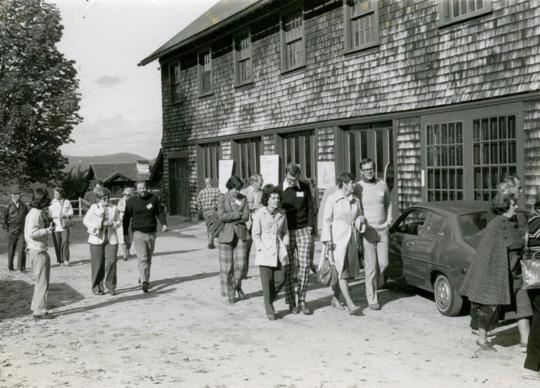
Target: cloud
[108,81]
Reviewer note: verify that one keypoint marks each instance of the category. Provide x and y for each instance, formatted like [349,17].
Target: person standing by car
[142,214]
[61,212]
[341,220]
[271,237]
[12,222]
[377,209]
[492,279]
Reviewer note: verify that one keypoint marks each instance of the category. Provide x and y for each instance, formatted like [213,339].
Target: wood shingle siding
[531,129]
[408,161]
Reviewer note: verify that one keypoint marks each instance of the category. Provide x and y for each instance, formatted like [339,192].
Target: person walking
[207,203]
[102,221]
[376,206]
[36,231]
[300,212]
[253,194]
[126,244]
[12,221]
[341,220]
[61,212]
[271,238]
[142,214]
[234,213]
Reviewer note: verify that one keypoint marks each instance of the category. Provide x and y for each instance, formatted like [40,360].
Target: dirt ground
[182,334]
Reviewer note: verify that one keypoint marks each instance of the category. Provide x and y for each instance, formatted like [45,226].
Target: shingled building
[443,95]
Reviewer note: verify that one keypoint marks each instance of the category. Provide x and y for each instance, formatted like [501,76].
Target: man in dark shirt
[142,212]
[297,202]
[13,224]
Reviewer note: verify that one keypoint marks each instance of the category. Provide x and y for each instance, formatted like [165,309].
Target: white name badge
[149,206]
[299,194]
[238,202]
[381,193]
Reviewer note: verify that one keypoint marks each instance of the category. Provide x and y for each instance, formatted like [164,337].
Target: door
[179,191]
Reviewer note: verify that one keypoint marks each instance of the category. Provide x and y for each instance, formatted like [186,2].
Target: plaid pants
[300,255]
[232,261]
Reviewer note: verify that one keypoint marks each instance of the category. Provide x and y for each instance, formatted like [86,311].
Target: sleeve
[68,211]
[328,217]
[285,231]
[388,204]
[224,215]
[117,222]
[90,220]
[312,213]
[199,202]
[245,212]
[50,211]
[256,231]
[127,217]
[36,231]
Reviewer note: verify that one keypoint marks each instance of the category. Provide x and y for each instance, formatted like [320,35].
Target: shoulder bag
[327,273]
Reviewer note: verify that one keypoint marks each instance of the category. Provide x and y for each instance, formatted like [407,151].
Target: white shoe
[528,374]
[66,263]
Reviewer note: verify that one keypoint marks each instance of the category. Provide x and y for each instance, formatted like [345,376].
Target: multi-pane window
[208,160]
[456,10]
[205,72]
[242,60]
[292,40]
[445,161]
[300,148]
[246,153]
[361,24]
[175,82]
[494,153]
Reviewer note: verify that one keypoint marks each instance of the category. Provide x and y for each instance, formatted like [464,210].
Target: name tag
[149,206]
[299,194]
[381,193]
[238,202]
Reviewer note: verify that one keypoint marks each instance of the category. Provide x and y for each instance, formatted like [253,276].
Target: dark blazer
[234,216]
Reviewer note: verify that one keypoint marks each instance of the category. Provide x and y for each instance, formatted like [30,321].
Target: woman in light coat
[271,238]
[342,218]
[102,221]
[61,212]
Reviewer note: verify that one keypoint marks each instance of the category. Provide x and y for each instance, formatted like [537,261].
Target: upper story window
[456,10]
[361,24]
[175,82]
[292,40]
[242,59]
[205,72]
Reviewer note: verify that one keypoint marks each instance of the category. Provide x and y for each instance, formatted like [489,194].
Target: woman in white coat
[271,238]
[342,217]
[102,221]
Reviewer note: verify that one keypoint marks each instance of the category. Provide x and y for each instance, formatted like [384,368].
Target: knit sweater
[143,213]
[376,202]
[298,205]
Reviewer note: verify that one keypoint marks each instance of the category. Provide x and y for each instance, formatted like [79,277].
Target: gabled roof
[221,14]
[108,171]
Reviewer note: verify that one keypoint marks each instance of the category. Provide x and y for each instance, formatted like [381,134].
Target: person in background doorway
[61,212]
[377,209]
[253,194]
[36,231]
[126,244]
[12,222]
[207,203]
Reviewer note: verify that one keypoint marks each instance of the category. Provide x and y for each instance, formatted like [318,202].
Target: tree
[75,183]
[38,93]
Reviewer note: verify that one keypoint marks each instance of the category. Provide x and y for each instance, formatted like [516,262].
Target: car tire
[448,300]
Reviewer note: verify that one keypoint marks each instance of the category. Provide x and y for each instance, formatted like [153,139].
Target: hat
[102,192]
[128,191]
[14,189]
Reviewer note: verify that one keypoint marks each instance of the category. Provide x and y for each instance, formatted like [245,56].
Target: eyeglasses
[368,169]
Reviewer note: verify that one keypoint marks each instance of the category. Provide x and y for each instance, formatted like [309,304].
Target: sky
[120,102]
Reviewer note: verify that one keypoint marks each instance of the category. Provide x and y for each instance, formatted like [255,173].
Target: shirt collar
[286,185]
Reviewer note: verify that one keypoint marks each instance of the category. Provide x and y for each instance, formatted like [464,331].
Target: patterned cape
[488,278]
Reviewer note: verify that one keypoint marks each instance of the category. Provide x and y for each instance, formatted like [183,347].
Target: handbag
[65,223]
[530,273]
[327,273]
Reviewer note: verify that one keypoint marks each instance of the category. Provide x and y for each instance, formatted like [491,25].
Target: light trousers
[41,270]
[144,246]
[375,260]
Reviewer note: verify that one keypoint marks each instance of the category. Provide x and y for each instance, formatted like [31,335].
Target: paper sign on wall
[270,169]
[326,174]
[225,172]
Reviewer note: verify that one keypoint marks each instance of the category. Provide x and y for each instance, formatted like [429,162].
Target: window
[494,153]
[246,153]
[300,148]
[175,82]
[456,10]
[208,156]
[445,161]
[242,59]
[361,24]
[292,40]
[413,222]
[205,72]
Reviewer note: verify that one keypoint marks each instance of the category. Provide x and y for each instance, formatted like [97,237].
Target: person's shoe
[523,347]
[211,246]
[231,300]
[487,347]
[354,310]
[43,316]
[144,287]
[271,316]
[112,292]
[529,374]
[337,304]
[241,294]
[304,308]
[375,306]
[66,263]
[23,270]
[294,309]
[489,333]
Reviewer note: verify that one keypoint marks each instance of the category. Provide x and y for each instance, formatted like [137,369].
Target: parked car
[432,244]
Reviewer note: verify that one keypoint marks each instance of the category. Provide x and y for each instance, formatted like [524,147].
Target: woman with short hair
[234,213]
[342,219]
[61,212]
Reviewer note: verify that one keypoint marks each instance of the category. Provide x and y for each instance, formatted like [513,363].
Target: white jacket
[60,209]
[93,220]
[270,236]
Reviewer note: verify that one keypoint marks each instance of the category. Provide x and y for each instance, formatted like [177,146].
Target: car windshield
[472,225]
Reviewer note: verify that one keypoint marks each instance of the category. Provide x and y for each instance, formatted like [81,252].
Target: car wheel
[448,300]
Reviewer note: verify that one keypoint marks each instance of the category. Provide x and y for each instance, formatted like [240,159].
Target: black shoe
[144,286]
[112,291]
[241,294]
[304,308]
[43,316]
[11,269]
[231,300]
[294,309]
[211,246]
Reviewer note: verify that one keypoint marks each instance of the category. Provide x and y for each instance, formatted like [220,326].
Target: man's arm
[127,217]
[161,216]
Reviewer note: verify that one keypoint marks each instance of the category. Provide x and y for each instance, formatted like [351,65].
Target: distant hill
[85,161]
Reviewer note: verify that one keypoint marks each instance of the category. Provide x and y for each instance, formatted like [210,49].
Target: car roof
[455,207]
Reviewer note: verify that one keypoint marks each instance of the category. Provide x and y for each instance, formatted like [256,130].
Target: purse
[530,273]
[65,223]
[327,273]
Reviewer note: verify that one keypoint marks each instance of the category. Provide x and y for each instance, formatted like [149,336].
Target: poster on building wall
[225,172]
[326,174]
[270,169]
